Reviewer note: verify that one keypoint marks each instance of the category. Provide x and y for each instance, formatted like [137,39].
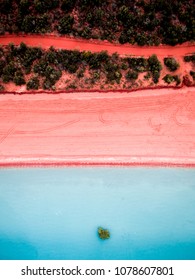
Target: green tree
[24,6]
[33,83]
[42,6]
[8,72]
[19,78]
[171,63]
[103,233]
[155,67]
[5,6]
[131,75]
[65,24]
[68,5]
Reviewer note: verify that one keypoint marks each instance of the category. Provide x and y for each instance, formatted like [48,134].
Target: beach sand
[151,127]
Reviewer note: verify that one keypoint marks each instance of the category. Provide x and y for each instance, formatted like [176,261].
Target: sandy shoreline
[152,128]
[53,163]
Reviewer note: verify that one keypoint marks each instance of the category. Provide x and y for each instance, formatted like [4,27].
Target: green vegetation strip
[42,69]
[136,22]
[38,68]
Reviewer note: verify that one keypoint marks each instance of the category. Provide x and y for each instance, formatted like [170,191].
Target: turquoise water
[54,213]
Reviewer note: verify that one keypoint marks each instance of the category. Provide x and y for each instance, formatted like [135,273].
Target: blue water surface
[54,213]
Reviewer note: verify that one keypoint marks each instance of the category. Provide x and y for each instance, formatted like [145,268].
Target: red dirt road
[96,46]
[150,127]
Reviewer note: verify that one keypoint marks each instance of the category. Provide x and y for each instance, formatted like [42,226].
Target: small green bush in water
[103,233]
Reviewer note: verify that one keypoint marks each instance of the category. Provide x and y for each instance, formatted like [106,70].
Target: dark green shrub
[39,24]
[124,66]
[30,56]
[65,24]
[123,13]
[8,72]
[131,75]
[69,60]
[86,33]
[52,74]
[123,38]
[170,79]
[40,67]
[90,3]
[80,74]
[154,67]
[19,78]
[114,76]
[86,56]
[192,73]
[189,58]
[2,88]
[155,76]
[177,79]
[28,24]
[22,48]
[173,35]
[33,83]
[95,18]
[171,63]
[99,2]
[94,62]
[52,56]
[42,24]
[41,6]
[71,86]
[2,29]
[24,6]
[72,68]
[103,56]
[154,63]
[138,64]
[12,50]
[96,75]
[111,67]
[48,84]
[103,233]
[5,6]
[68,5]
[141,39]
[2,65]
[1,52]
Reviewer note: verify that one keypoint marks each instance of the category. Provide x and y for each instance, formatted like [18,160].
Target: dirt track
[96,46]
[150,127]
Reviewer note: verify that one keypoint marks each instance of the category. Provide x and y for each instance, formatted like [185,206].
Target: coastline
[57,163]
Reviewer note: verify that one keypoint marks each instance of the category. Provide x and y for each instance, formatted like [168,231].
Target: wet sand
[152,127]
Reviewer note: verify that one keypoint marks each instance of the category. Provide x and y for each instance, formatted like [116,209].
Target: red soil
[47,41]
[145,127]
